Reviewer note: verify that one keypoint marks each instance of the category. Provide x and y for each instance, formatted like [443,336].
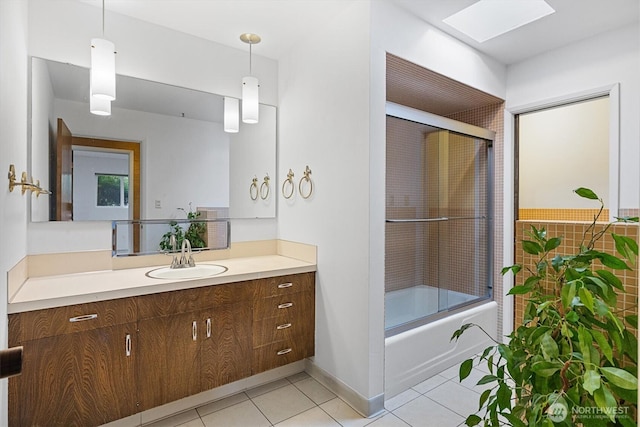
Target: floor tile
[221,404]
[430,384]
[455,397]
[298,377]
[181,419]
[314,417]
[314,391]
[282,403]
[344,414]
[424,412]
[243,414]
[471,382]
[452,372]
[400,399]
[388,420]
[193,423]
[265,388]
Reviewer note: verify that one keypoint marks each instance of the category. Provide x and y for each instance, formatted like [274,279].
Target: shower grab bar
[444,218]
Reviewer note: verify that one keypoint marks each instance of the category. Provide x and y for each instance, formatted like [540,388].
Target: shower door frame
[429,119]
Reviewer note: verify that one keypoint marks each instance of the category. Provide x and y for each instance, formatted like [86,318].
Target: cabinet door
[169,358]
[79,379]
[226,344]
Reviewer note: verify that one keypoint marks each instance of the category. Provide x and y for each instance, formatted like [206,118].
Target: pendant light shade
[231,115]
[103,69]
[99,106]
[250,98]
[250,85]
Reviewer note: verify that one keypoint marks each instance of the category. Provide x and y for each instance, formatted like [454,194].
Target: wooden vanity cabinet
[192,340]
[78,365]
[283,320]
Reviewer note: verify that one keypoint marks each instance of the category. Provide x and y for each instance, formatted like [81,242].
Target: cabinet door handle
[285,351]
[285,285]
[83,318]
[286,305]
[194,330]
[283,326]
[127,345]
[209,328]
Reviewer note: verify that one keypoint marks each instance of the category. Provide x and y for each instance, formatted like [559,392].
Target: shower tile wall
[571,238]
[560,214]
[492,117]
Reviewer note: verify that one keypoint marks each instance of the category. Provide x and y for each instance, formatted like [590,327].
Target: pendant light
[99,106]
[250,85]
[103,67]
[231,114]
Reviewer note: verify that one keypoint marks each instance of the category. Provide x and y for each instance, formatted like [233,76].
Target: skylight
[487,19]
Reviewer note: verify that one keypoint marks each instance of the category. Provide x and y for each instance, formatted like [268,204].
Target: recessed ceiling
[281,23]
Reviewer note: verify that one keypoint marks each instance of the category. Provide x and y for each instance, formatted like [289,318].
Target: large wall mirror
[160,154]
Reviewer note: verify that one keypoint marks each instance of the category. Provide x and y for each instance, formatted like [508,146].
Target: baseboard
[366,407]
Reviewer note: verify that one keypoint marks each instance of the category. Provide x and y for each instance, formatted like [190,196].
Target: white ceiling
[280,22]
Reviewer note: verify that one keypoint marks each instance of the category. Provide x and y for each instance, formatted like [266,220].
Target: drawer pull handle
[283,326]
[286,305]
[83,318]
[209,328]
[285,351]
[194,330]
[285,285]
[127,345]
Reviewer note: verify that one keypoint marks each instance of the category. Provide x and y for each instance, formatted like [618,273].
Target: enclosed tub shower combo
[438,255]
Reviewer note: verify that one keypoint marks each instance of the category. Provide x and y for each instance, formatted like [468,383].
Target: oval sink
[197,272]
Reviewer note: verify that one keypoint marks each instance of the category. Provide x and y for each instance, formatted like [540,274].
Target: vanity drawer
[283,307]
[51,322]
[187,300]
[277,329]
[281,353]
[284,285]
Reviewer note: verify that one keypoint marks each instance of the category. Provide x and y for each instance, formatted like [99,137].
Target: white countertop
[55,291]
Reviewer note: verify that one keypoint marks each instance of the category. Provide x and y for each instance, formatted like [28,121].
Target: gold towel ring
[253,189]
[306,178]
[287,195]
[265,185]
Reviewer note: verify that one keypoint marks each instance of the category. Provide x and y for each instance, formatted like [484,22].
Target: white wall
[145,51]
[561,149]
[600,61]
[324,123]
[13,150]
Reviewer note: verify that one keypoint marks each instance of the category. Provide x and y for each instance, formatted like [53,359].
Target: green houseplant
[195,232]
[573,360]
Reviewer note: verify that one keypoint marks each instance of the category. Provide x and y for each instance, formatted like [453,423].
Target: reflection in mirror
[185,160]
[155,235]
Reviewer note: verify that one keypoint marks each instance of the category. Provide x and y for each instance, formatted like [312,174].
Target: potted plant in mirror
[573,360]
[195,232]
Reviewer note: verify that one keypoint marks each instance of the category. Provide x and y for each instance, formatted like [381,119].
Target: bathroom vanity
[119,352]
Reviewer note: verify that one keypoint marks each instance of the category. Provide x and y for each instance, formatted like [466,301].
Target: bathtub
[419,353]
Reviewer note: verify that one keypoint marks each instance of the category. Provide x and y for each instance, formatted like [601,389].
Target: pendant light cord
[250,45]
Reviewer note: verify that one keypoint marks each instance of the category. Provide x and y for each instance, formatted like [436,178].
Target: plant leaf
[605,401]
[487,379]
[519,290]
[483,398]
[586,298]
[473,420]
[504,396]
[610,278]
[532,248]
[513,268]
[632,319]
[605,348]
[545,369]
[620,378]
[591,381]
[549,347]
[612,261]
[552,244]
[568,292]
[465,369]
[586,193]
[585,340]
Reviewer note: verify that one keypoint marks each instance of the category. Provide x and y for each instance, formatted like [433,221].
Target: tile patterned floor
[301,401]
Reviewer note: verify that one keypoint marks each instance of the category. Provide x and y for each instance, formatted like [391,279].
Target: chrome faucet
[186,260]
[172,242]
